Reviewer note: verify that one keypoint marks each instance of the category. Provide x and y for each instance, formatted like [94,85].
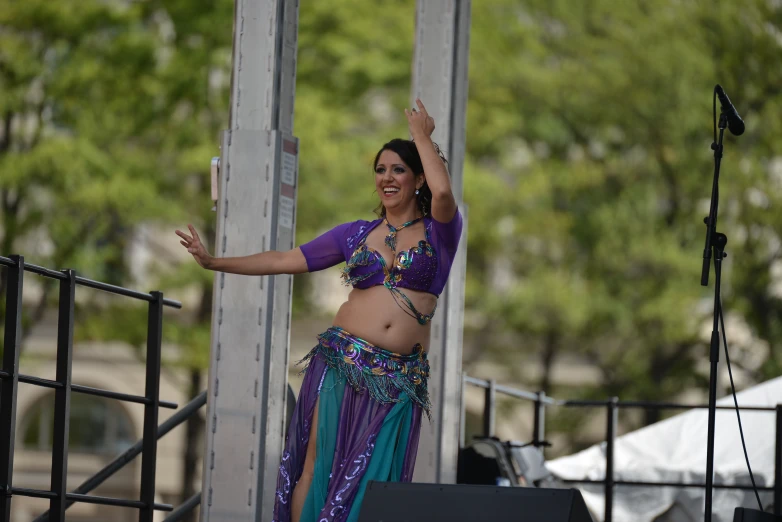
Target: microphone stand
[714,241]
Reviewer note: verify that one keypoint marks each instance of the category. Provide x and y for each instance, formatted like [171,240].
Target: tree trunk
[195,424]
[193,429]
[550,345]
[651,416]
[661,364]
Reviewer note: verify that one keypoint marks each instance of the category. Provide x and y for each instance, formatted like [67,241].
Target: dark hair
[407,150]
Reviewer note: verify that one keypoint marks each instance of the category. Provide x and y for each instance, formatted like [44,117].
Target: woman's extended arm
[421,127]
[263,263]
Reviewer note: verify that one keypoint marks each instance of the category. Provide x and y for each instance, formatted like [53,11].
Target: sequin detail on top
[414,269]
[352,239]
[382,373]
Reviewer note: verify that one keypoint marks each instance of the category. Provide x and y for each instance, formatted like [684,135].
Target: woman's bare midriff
[373,315]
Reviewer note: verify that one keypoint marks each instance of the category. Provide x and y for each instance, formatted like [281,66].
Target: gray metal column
[251,315]
[440,80]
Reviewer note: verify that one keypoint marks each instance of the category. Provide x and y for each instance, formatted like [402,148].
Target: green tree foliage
[353,80]
[110,114]
[589,127]
[80,111]
[78,118]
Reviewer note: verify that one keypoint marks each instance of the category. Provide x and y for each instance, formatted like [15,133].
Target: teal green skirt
[386,462]
[368,426]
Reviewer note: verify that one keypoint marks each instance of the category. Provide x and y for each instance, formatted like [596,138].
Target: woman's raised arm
[421,126]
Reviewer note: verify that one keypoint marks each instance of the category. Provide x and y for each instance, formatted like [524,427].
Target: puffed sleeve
[326,250]
[448,234]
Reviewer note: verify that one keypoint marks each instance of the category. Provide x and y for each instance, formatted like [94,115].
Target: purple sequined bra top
[414,269]
[424,267]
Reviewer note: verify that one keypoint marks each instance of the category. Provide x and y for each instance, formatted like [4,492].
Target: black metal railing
[612,407]
[125,458]
[59,498]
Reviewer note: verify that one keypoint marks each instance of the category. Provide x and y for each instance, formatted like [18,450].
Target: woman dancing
[358,415]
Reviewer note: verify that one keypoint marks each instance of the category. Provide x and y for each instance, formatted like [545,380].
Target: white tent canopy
[674,450]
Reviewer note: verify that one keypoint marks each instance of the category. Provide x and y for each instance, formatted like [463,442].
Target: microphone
[735,123]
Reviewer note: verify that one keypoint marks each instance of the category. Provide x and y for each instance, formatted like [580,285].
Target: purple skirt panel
[369,425]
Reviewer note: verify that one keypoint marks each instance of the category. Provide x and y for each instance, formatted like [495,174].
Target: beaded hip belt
[382,373]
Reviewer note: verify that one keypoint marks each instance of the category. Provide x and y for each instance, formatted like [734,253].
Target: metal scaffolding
[256,211]
[440,79]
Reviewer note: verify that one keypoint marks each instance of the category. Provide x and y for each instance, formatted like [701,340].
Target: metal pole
[440,80]
[612,415]
[539,429]
[149,451]
[778,464]
[256,212]
[489,409]
[11,349]
[462,416]
[62,397]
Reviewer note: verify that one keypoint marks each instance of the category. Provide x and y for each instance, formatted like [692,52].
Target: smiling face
[395,182]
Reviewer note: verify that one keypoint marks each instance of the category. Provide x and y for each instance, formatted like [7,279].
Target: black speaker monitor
[753,515]
[406,502]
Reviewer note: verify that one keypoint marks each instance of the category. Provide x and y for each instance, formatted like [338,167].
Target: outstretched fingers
[193,231]
[193,245]
[188,242]
[421,107]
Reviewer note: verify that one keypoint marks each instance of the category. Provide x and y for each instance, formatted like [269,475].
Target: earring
[416,192]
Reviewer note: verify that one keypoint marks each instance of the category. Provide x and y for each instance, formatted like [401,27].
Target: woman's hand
[195,247]
[419,122]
